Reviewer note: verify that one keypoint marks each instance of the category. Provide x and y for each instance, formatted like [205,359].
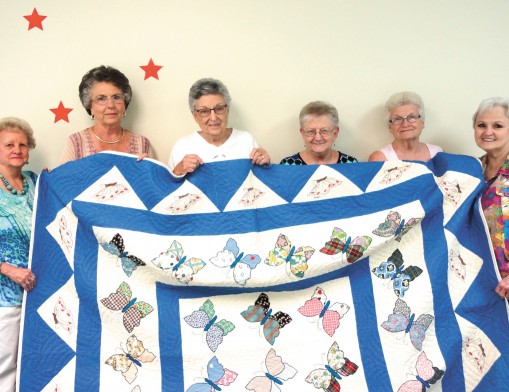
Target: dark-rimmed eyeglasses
[218,110]
[103,99]
[399,120]
[314,132]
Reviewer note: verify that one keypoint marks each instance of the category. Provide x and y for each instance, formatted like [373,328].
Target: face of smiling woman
[406,130]
[491,131]
[13,149]
[213,126]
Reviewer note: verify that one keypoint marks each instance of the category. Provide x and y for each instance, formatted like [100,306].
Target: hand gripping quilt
[361,277]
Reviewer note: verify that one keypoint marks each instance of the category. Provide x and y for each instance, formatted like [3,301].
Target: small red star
[61,112]
[151,70]
[34,20]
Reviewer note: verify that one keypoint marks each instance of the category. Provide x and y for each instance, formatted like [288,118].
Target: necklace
[11,189]
[106,141]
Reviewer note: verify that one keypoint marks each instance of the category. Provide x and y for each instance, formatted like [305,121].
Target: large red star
[151,70]
[34,20]
[61,112]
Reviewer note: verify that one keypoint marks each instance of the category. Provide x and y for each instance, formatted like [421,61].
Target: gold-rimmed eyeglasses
[314,132]
[218,110]
[103,99]
[411,118]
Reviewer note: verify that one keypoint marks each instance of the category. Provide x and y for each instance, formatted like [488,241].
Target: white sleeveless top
[390,154]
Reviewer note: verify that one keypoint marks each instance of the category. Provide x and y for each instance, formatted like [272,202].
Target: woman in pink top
[405,117]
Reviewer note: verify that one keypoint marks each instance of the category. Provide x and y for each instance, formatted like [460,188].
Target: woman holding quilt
[16,201]
[491,132]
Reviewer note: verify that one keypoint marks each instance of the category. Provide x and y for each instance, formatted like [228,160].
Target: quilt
[358,277]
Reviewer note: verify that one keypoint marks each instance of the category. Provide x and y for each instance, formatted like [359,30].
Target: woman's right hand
[188,164]
[503,288]
[20,275]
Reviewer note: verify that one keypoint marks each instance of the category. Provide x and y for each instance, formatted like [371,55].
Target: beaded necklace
[11,189]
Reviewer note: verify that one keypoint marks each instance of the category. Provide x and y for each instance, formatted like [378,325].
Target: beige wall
[274,56]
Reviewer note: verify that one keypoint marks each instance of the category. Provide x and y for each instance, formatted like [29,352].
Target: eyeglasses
[399,120]
[314,132]
[103,99]
[218,110]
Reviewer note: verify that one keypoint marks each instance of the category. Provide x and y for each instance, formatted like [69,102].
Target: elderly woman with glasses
[319,128]
[209,102]
[405,117]
[105,94]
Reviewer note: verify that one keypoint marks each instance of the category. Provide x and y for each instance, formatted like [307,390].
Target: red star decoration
[61,112]
[151,70]
[34,20]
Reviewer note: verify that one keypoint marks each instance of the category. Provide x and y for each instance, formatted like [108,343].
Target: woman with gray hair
[491,133]
[16,204]
[209,102]
[405,118]
[105,94]
[319,128]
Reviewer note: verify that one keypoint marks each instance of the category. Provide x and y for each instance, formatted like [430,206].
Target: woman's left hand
[23,276]
[259,157]
[503,288]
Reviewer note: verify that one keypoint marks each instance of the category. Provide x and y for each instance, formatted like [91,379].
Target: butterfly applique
[394,226]
[183,202]
[402,320]
[250,196]
[65,233]
[261,313]
[63,317]
[394,270]
[133,311]
[393,174]
[475,353]
[205,318]
[336,368]
[457,265]
[285,253]
[241,264]
[427,374]
[342,244]
[277,372]
[322,186]
[132,358]
[181,267]
[116,248]
[110,191]
[216,375]
[320,306]
[452,191]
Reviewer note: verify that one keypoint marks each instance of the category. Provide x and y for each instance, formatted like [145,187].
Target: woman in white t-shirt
[405,117]
[209,101]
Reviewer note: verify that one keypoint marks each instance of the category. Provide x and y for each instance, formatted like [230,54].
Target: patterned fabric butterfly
[320,306]
[183,203]
[284,252]
[401,320]
[427,375]
[336,368]
[452,191]
[116,248]
[205,318]
[475,353]
[277,372]
[65,233]
[394,270]
[394,226]
[261,313]
[63,317]
[457,265]
[322,186]
[241,264]
[250,196]
[110,191]
[133,311]
[132,358]
[342,244]
[182,268]
[217,375]
[393,174]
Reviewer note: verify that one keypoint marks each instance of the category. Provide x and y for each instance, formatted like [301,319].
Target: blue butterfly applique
[216,375]
[241,264]
[116,248]
[402,320]
[394,269]
[206,318]
[262,313]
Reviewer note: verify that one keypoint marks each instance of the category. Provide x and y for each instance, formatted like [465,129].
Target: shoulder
[345,158]
[433,150]
[377,156]
[238,134]
[295,159]
[30,174]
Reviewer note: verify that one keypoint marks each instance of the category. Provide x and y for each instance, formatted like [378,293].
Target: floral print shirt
[495,204]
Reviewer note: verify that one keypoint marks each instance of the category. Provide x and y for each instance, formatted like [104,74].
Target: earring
[125,114]
[92,117]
